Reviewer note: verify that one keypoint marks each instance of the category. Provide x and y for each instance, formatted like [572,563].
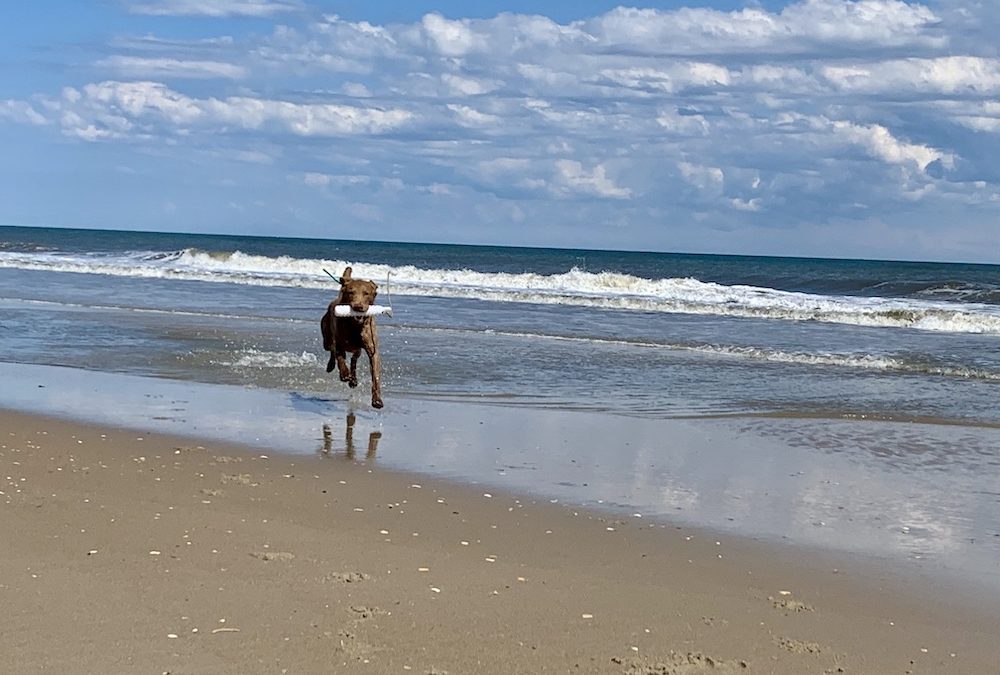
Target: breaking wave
[946,307]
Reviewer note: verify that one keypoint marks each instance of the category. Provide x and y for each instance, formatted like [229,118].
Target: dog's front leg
[345,374]
[354,369]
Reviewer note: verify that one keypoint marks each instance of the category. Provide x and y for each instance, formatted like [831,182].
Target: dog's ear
[346,276]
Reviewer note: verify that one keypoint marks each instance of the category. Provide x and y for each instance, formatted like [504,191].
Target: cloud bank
[681,128]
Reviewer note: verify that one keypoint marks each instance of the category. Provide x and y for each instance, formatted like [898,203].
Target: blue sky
[821,127]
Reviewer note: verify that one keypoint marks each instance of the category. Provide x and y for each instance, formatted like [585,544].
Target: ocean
[887,370]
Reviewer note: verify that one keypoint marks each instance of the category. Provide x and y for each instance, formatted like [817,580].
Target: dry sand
[126,552]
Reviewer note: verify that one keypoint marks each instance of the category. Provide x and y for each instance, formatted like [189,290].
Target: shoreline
[317,564]
[824,486]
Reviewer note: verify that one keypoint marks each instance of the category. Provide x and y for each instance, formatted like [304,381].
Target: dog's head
[358,293]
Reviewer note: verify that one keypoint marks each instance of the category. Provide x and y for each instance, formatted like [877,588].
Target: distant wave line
[604,290]
[855,361]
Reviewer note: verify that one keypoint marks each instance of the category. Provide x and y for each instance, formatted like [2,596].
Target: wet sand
[127,551]
[922,496]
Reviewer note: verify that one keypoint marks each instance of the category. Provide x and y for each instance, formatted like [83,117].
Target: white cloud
[950,75]
[470,117]
[881,144]
[702,177]
[675,122]
[745,204]
[572,177]
[468,86]
[313,179]
[804,25]
[450,38]
[135,100]
[439,189]
[111,109]
[217,8]
[356,90]
[21,111]
[254,157]
[143,67]
[503,169]
[676,77]
[323,180]
[976,115]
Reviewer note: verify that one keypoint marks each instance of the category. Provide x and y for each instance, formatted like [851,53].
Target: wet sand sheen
[134,552]
[919,496]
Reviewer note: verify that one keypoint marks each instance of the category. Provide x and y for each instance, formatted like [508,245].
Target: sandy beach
[130,552]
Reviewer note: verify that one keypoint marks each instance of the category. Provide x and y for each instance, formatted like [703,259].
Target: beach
[588,461]
[130,551]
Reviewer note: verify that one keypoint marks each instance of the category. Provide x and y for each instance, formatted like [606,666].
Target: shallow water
[645,365]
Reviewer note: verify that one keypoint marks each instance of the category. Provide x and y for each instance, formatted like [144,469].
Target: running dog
[343,335]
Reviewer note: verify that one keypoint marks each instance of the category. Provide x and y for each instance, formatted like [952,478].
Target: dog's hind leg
[326,326]
[375,364]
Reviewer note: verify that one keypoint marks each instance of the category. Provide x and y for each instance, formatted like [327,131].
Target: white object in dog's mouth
[373,310]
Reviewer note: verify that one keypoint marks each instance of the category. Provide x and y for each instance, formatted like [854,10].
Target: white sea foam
[255,358]
[575,287]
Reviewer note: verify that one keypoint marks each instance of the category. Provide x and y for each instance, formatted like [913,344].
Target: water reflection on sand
[910,491]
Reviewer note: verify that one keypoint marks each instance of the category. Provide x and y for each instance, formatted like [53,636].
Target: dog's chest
[352,334]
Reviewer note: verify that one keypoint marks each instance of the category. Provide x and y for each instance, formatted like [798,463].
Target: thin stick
[387,296]
[337,279]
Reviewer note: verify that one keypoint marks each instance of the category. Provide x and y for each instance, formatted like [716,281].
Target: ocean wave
[903,364]
[600,290]
[895,364]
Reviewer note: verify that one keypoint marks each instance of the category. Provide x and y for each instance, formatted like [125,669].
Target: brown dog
[352,334]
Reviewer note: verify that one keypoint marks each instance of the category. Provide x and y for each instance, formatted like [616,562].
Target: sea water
[638,334]
[889,370]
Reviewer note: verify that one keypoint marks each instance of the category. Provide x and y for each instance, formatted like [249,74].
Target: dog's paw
[377,402]
[353,382]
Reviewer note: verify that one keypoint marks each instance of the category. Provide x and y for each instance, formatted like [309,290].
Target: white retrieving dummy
[373,310]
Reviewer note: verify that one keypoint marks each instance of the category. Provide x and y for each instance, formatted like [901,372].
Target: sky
[819,127]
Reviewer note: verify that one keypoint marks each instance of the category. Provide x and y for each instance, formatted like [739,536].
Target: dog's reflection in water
[349,451]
